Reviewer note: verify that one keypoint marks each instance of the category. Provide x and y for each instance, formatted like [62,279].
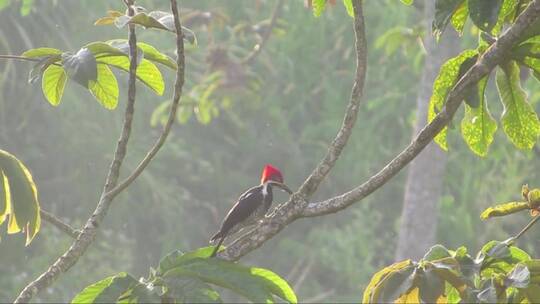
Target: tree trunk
[424,178]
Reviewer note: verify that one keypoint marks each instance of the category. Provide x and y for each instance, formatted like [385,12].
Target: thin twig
[265,36]
[19,58]
[58,223]
[87,236]
[529,225]
[179,83]
[295,208]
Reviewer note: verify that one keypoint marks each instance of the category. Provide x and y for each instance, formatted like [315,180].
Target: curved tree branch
[297,207]
[491,58]
[265,36]
[179,84]
[292,209]
[88,234]
[58,223]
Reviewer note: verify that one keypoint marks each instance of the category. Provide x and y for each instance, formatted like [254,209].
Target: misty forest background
[283,109]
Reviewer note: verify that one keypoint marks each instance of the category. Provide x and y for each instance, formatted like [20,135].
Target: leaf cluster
[519,121]
[500,272]
[188,278]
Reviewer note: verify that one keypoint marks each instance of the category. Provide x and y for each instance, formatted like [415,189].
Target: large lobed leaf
[484,13]
[444,82]
[256,284]
[478,126]
[108,290]
[18,197]
[519,120]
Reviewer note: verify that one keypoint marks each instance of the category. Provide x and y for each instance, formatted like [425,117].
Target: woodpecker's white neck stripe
[265,189]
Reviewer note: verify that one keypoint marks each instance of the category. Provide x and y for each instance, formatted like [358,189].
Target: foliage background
[285,114]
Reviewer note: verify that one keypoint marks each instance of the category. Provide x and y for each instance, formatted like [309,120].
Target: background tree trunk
[425,175]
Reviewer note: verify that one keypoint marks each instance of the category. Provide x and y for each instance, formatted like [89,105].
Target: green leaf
[506,14]
[460,17]
[152,54]
[407,2]
[448,75]
[107,290]
[81,67]
[519,120]
[478,126]
[431,286]
[228,275]
[41,52]
[147,72]
[41,66]
[444,9]
[275,284]
[53,83]
[26,7]
[20,197]
[184,114]
[373,289]
[436,252]
[318,7]
[396,284]
[147,51]
[4,4]
[349,7]
[188,289]
[105,88]
[177,258]
[99,48]
[484,13]
[504,209]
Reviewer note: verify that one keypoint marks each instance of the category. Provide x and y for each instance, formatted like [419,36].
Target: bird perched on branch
[251,206]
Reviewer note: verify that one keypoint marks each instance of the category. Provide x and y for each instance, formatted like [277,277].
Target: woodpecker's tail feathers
[218,245]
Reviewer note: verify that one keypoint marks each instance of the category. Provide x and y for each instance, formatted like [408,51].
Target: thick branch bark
[296,206]
[87,236]
[493,56]
[291,210]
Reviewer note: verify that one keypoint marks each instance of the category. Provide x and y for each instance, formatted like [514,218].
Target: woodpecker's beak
[281,186]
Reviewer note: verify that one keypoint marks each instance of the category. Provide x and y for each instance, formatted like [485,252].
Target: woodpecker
[251,206]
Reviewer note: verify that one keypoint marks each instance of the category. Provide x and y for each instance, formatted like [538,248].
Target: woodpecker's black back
[251,205]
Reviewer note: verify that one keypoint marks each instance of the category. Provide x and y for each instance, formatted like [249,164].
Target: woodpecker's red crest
[271,173]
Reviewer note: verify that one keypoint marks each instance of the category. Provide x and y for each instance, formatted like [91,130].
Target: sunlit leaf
[372,290]
[444,9]
[436,252]
[484,13]
[147,72]
[441,87]
[504,209]
[53,84]
[460,17]
[41,52]
[407,2]
[26,7]
[20,198]
[318,7]
[105,88]
[107,290]
[240,279]
[349,7]
[478,126]
[410,297]
[190,289]
[178,258]
[519,120]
